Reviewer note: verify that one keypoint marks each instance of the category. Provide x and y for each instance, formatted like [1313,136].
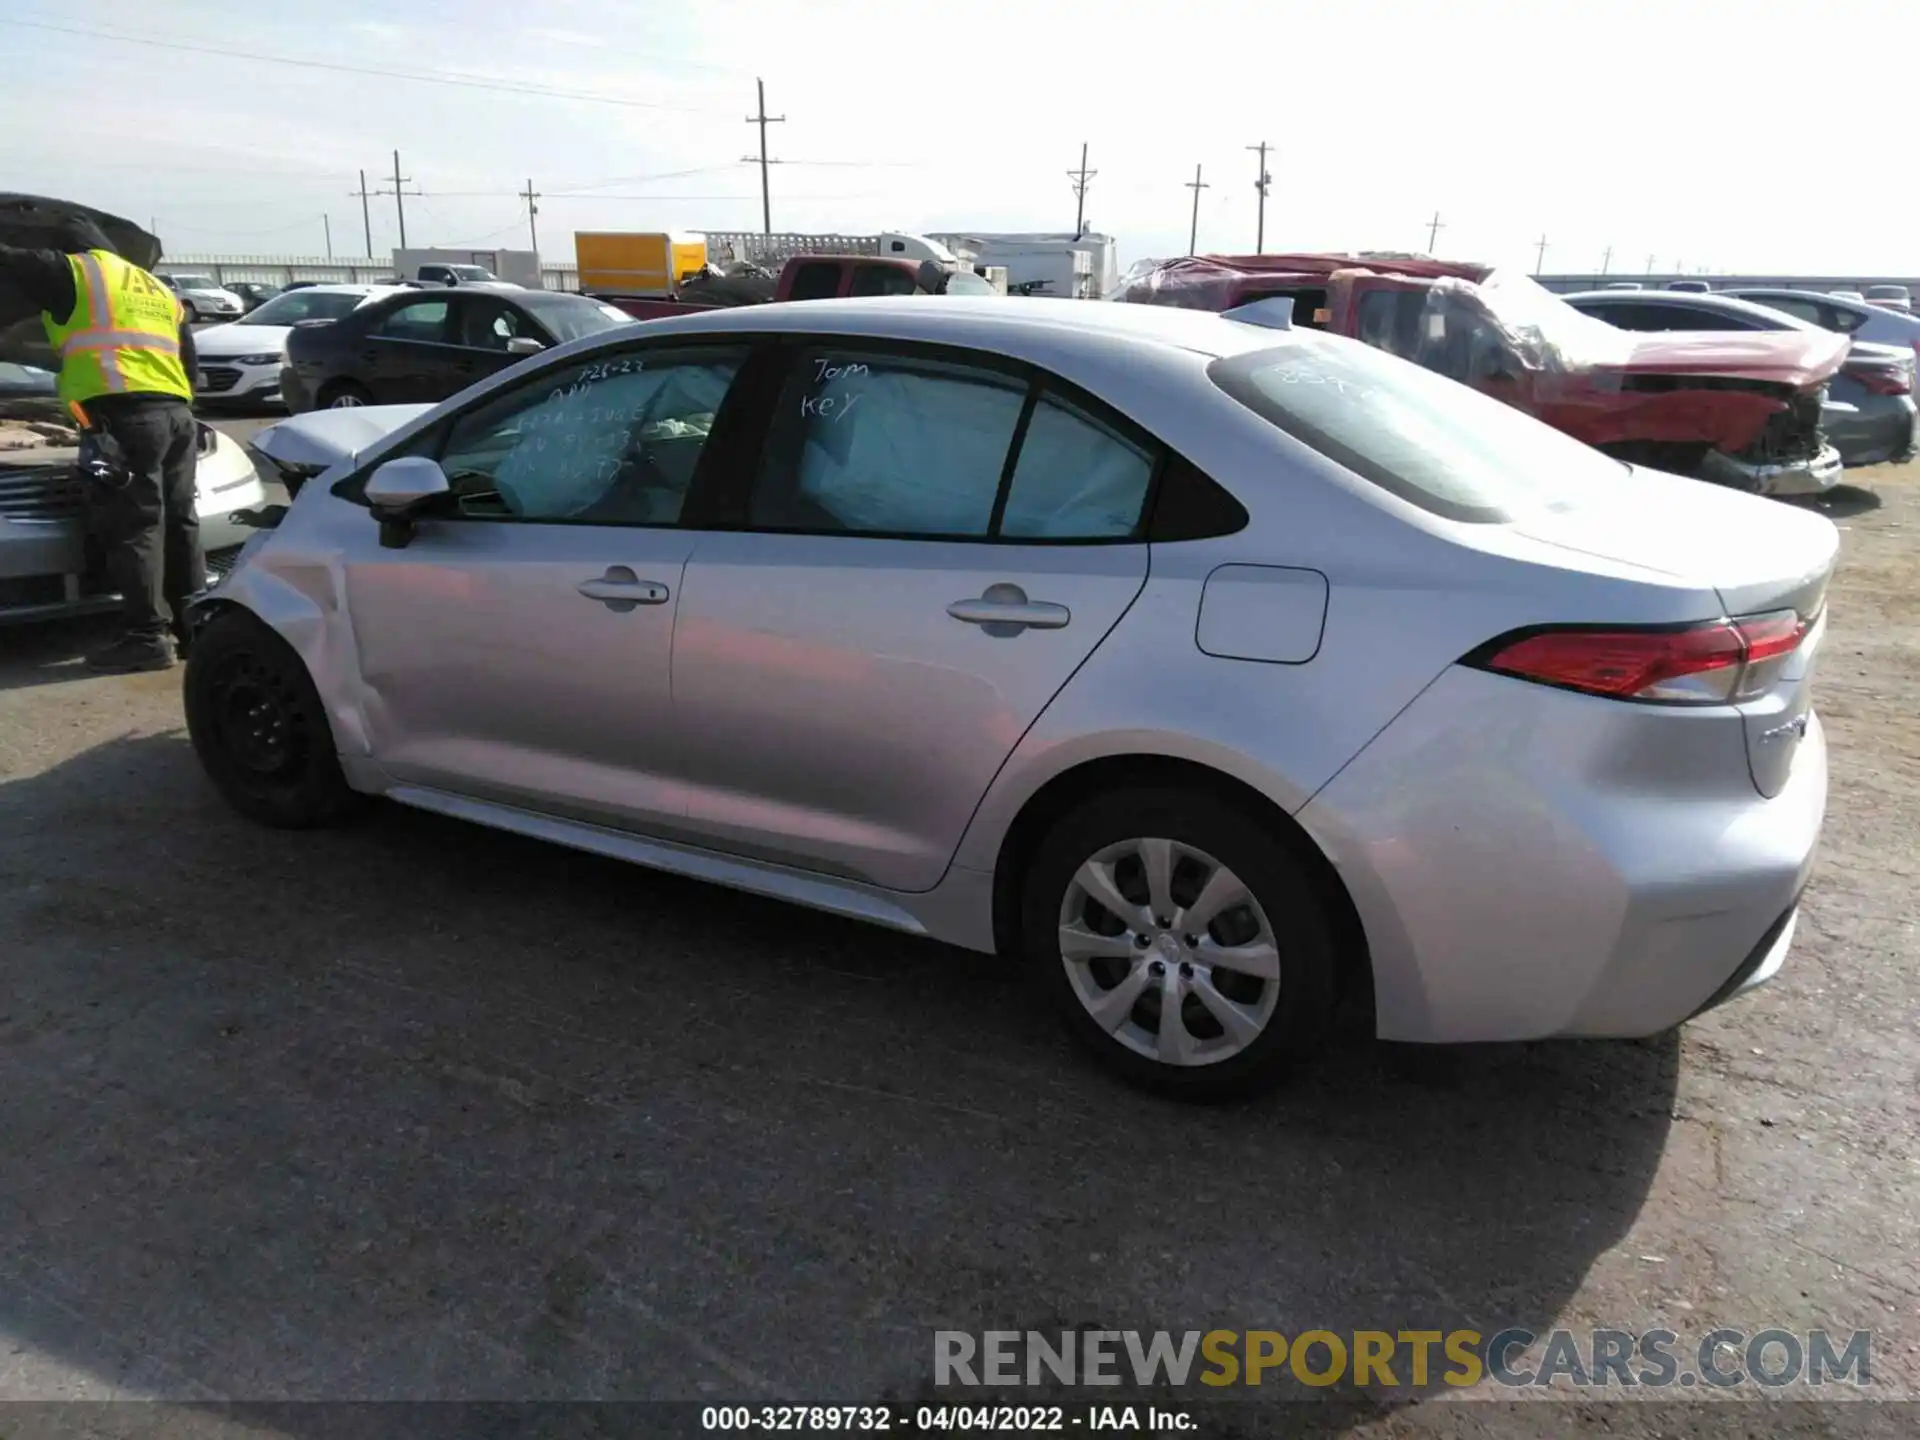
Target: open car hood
[1788,357]
[30,220]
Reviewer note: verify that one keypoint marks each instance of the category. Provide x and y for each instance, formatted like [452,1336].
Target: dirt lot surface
[416,1110]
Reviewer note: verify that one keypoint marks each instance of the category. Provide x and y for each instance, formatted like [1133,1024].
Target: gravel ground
[416,1110]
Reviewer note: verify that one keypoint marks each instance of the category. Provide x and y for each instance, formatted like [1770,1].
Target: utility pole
[1260,185]
[1080,178]
[327,220]
[366,215]
[763,120]
[1650,264]
[1606,260]
[1196,185]
[1434,227]
[1540,259]
[531,196]
[398,192]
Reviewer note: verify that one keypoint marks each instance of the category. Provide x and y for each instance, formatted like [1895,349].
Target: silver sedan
[1218,670]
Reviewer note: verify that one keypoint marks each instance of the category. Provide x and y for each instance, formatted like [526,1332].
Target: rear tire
[343,395]
[259,728]
[1252,982]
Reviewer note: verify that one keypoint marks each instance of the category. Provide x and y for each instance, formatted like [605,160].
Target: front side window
[611,442]
[422,321]
[1442,446]
[492,324]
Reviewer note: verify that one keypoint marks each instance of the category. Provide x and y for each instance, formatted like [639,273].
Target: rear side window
[881,280]
[887,445]
[815,282]
[1437,444]
[925,446]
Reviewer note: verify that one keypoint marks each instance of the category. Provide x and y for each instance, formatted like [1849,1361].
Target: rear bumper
[1529,863]
[1798,477]
[1883,430]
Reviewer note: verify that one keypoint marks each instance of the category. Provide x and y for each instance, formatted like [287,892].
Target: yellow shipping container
[636,263]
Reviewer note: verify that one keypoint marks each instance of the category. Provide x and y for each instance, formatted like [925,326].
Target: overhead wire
[452,78]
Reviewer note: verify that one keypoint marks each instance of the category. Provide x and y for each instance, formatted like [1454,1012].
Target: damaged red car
[1741,408]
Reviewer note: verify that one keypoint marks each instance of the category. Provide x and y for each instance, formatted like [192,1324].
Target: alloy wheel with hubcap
[1183,936]
[1169,951]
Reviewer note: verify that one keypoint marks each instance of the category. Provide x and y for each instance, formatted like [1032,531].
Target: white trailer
[1040,259]
[516,267]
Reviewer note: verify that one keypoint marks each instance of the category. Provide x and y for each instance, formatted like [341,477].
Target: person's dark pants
[151,528]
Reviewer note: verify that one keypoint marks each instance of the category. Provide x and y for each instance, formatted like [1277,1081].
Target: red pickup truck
[1739,408]
[808,277]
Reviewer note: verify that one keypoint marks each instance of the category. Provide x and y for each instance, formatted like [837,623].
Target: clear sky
[1762,135]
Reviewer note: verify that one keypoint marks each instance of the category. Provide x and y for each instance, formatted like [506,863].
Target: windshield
[297,305]
[191,282]
[470,272]
[1431,441]
[571,316]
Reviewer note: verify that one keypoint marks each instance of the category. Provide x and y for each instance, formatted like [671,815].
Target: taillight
[1711,664]
[1878,380]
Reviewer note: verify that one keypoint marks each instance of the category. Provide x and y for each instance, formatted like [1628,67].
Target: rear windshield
[1431,441]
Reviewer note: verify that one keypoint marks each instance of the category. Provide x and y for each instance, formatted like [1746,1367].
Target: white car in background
[240,363]
[204,298]
[50,566]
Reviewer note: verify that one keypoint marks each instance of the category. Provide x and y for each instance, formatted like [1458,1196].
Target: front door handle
[1004,610]
[620,589]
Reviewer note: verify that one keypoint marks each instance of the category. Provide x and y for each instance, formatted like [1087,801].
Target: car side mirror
[524,345]
[400,492]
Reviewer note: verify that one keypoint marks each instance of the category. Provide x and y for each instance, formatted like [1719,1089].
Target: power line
[1260,230]
[1080,178]
[763,120]
[451,77]
[1196,185]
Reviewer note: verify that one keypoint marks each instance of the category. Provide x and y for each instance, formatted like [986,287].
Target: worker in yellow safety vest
[126,372]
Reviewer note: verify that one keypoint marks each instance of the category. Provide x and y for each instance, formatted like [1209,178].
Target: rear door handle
[1004,609]
[620,589]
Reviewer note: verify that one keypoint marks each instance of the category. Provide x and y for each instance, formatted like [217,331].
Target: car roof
[1694,300]
[342,288]
[985,322]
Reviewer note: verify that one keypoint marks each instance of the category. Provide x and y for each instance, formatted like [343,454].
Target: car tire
[343,395]
[192,312]
[1269,1023]
[259,728]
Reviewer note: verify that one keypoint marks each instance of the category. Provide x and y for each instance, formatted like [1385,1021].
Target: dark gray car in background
[1869,417]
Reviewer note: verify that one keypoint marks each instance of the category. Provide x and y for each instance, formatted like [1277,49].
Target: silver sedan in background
[1215,669]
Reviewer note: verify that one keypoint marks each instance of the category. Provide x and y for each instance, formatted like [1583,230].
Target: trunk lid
[1801,358]
[1759,556]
